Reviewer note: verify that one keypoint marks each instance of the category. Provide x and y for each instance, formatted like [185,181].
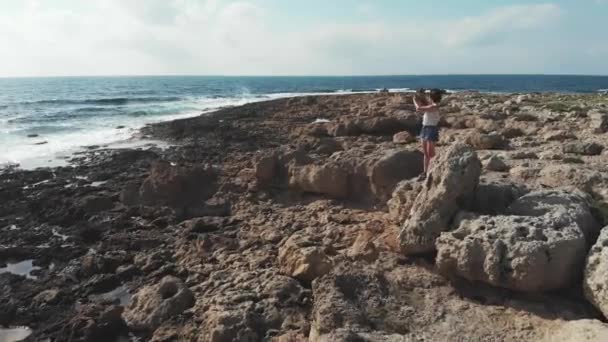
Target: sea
[43,121]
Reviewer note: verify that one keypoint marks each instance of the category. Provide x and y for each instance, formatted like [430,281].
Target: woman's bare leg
[430,154]
[426,158]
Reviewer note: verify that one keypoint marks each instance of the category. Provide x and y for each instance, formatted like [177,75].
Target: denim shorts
[430,133]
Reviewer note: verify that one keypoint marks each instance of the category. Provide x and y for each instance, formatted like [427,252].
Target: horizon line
[284,76]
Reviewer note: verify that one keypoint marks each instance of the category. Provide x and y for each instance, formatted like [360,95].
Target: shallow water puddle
[14,334]
[120,294]
[23,268]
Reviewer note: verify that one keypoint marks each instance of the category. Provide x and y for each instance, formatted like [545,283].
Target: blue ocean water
[64,114]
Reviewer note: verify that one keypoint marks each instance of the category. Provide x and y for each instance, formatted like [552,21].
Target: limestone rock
[596,274]
[153,305]
[329,179]
[599,121]
[173,186]
[556,175]
[266,168]
[481,141]
[400,204]
[558,135]
[494,198]
[540,245]
[393,167]
[403,138]
[495,163]
[585,330]
[95,203]
[524,173]
[364,248]
[523,155]
[586,149]
[449,187]
[302,258]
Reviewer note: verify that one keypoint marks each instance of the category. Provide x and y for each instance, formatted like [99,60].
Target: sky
[302,37]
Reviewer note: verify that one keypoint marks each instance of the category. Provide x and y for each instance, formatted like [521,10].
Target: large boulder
[155,304]
[393,167]
[539,245]
[596,274]
[303,258]
[449,187]
[329,179]
[173,186]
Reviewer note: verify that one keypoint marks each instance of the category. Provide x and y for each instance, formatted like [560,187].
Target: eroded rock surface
[449,187]
[540,246]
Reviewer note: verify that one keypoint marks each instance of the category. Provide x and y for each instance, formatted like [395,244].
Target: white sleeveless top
[430,119]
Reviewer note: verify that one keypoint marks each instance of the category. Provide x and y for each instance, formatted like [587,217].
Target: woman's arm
[429,108]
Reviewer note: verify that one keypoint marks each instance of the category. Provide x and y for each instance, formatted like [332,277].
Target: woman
[430,130]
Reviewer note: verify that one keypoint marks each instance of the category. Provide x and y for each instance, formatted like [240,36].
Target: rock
[266,168]
[173,186]
[512,132]
[495,163]
[523,155]
[373,126]
[50,296]
[95,203]
[595,282]
[481,141]
[42,143]
[449,187]
[326,146]
[32,135]
[201,225]
[494,198]
[94,322]
[524,173]
[522,98]
[155,304]
[558,136]
[556,175]
[364,248]
[585,330]
[393,167]
[329,179]
[403,198]
[343,129]
[586,149]
[386,125]
[403,138]
[120,127]
[539,246]
[525,117]
[302,258]
[599,121]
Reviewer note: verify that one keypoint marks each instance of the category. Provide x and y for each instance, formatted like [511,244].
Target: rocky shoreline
[299,220]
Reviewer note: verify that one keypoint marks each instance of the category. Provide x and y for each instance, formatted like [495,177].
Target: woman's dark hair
[436,95]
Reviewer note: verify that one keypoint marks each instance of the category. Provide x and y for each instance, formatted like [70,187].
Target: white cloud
[228,37]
